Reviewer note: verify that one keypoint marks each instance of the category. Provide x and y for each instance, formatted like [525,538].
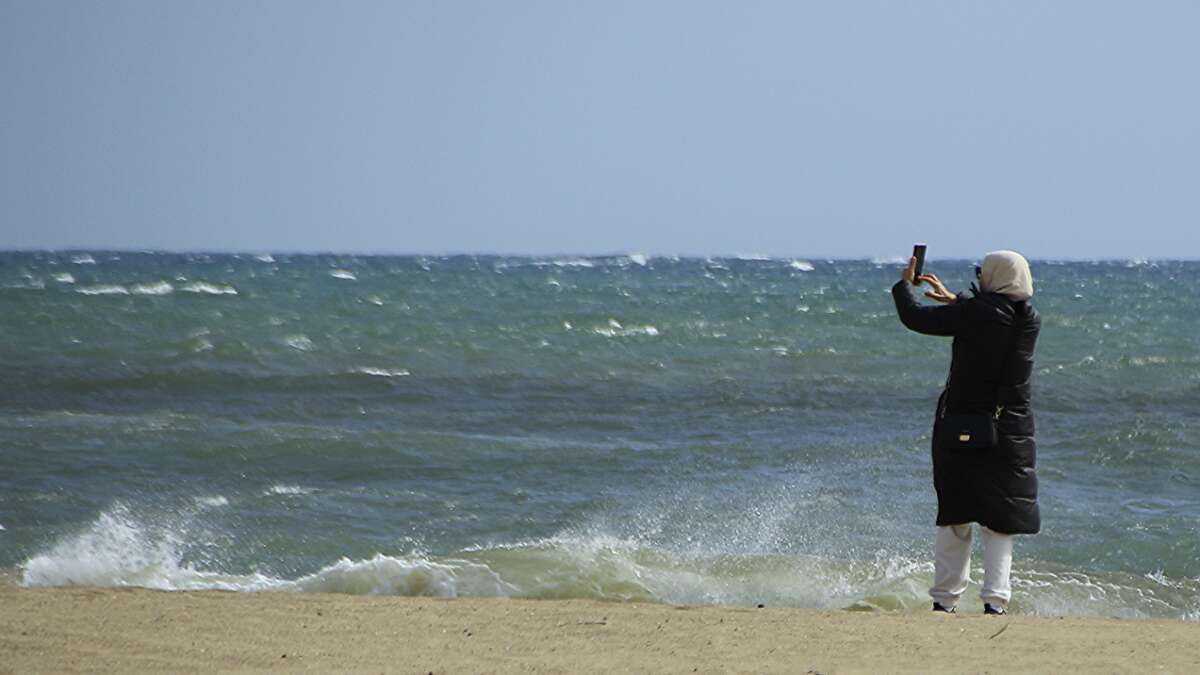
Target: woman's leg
[951,564]
[997,563]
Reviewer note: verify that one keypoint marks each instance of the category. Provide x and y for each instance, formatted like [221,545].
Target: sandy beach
[134,630]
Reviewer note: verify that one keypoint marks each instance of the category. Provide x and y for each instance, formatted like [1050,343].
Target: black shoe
[989,609]
[937,607]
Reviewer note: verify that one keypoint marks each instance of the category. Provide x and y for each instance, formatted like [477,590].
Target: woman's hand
[908,272]
[939,291]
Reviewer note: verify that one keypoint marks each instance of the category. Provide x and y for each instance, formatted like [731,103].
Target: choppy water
[678,430]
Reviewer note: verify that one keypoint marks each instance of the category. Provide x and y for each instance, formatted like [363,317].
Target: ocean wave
[208,289]
[343,274]
[103,289]
[118,549]
[156,288]
[31,283]
[802,265]
[64,278]
[615,329]
[83,259]
[572,262]
[300,343]
[381,372]
[288,490]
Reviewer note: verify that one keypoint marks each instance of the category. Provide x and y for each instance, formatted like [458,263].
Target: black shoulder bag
[973,432]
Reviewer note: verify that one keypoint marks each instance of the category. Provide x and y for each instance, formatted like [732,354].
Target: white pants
[952,565]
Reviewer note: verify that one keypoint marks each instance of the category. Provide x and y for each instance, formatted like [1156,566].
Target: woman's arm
[926,319]
[929,320]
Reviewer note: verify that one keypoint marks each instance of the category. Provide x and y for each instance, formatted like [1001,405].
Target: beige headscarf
[1007,272]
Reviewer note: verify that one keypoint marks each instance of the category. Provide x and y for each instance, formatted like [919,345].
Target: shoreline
[76,629]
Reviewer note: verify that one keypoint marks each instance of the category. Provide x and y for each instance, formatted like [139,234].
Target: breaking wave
[121,549]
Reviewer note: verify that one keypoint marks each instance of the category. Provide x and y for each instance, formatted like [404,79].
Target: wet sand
[134,630]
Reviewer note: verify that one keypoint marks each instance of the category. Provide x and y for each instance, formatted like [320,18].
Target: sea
[699,431]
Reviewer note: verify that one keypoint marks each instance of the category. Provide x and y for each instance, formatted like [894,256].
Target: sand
[136,630]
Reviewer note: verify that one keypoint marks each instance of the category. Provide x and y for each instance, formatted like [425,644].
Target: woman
[995,331]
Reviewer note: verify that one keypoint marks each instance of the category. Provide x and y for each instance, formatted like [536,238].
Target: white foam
[1,526]
[299,342]
[288,490]
[103,289]
[615,329]
[83,259]
[716,566]
[209,289]
[753,257]
[156,288]
[408,576]
[64,278]
[119,549]
[265,257]
[572,262]
[802,265]
[343,274]
[381,372]
[639,259]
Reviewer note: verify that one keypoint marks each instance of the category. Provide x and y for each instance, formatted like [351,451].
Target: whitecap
[212,502]
[615,329]
[381,372]
[83,259]
[209,289]
[299,342]
[639,259]
[573,262]
[754,257]
[64,278]
[343,274]
[104,289]
[265,257]
[802,265]
[375,300]
[157,288]
[288,490]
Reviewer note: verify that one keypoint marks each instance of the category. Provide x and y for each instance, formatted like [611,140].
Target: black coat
[990,366]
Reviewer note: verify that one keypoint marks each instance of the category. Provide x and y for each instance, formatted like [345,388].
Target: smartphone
[919,254]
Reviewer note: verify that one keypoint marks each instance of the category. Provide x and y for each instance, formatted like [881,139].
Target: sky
[836,129]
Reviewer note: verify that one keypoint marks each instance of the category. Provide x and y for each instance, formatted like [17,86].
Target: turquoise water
[720,431]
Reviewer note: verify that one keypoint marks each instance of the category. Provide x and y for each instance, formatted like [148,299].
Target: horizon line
[749,256]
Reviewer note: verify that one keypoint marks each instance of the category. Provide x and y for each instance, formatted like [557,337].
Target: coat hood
[1006,272]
